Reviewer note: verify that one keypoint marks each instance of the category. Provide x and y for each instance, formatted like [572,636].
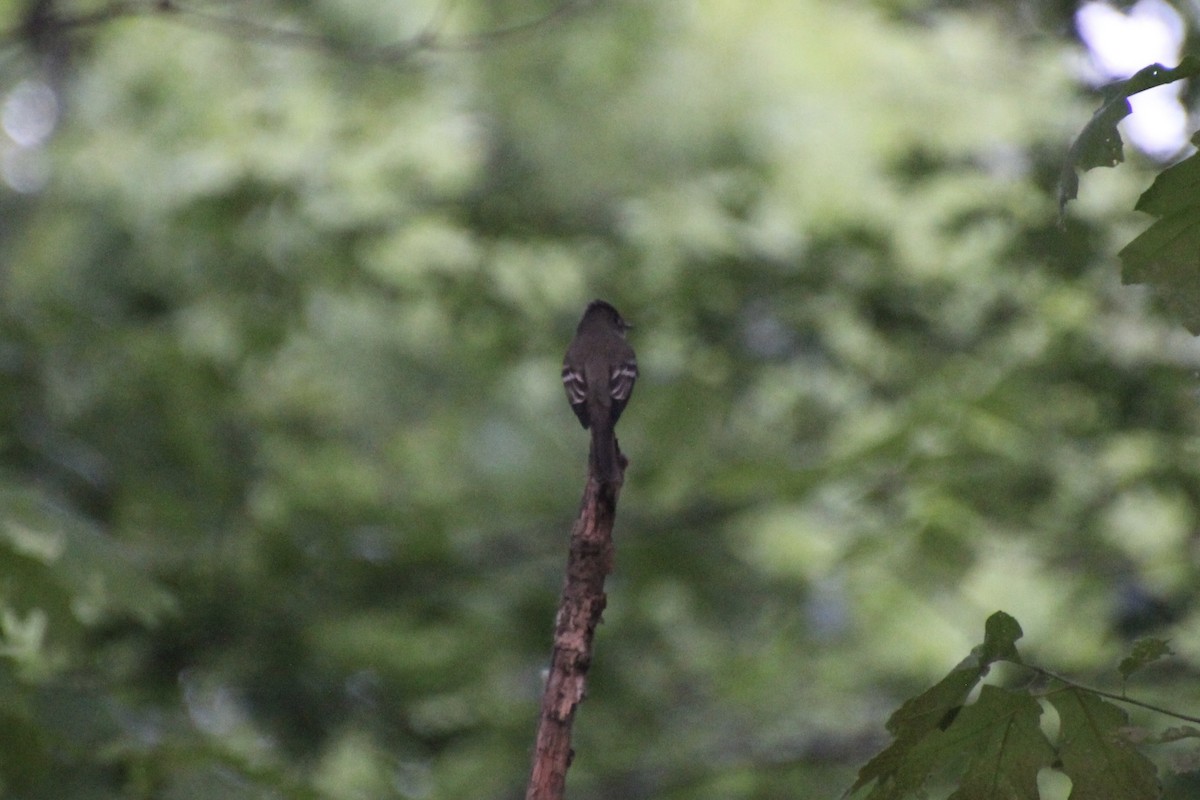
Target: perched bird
[598,372]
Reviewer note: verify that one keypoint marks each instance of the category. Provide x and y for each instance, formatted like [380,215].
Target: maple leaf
[920,723]
[1101,764]
[1001,732]
[1167,254]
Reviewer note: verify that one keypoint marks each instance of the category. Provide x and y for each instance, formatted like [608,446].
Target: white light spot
[25,171]
[30,113]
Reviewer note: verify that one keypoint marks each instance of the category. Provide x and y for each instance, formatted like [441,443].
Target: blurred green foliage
[287,472]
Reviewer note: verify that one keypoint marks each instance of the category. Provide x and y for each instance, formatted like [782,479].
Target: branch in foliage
[589,562]
[1120,698]
[45,22]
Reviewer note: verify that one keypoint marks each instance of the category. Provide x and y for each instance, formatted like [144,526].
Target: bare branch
[579,611]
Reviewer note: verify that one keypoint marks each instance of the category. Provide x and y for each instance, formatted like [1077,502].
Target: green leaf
[1001,632]
[1144,651]
[1167,254]
[1101,764]
[903,767]
[1174,189]
[1098,145]
[905,764]
[1004,740]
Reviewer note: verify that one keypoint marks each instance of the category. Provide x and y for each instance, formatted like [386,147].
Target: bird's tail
[604,451]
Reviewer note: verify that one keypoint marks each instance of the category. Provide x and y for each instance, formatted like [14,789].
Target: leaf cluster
[1164,256]
[995,746]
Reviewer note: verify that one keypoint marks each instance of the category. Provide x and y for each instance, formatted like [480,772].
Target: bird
[598,372]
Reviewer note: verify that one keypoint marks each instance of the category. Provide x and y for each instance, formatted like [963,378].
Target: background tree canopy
[286,470]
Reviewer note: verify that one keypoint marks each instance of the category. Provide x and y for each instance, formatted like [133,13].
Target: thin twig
[1110,695]
[252,31]
[429,39]
[477,41]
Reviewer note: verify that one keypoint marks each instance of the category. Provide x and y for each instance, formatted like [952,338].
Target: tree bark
[589,562]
